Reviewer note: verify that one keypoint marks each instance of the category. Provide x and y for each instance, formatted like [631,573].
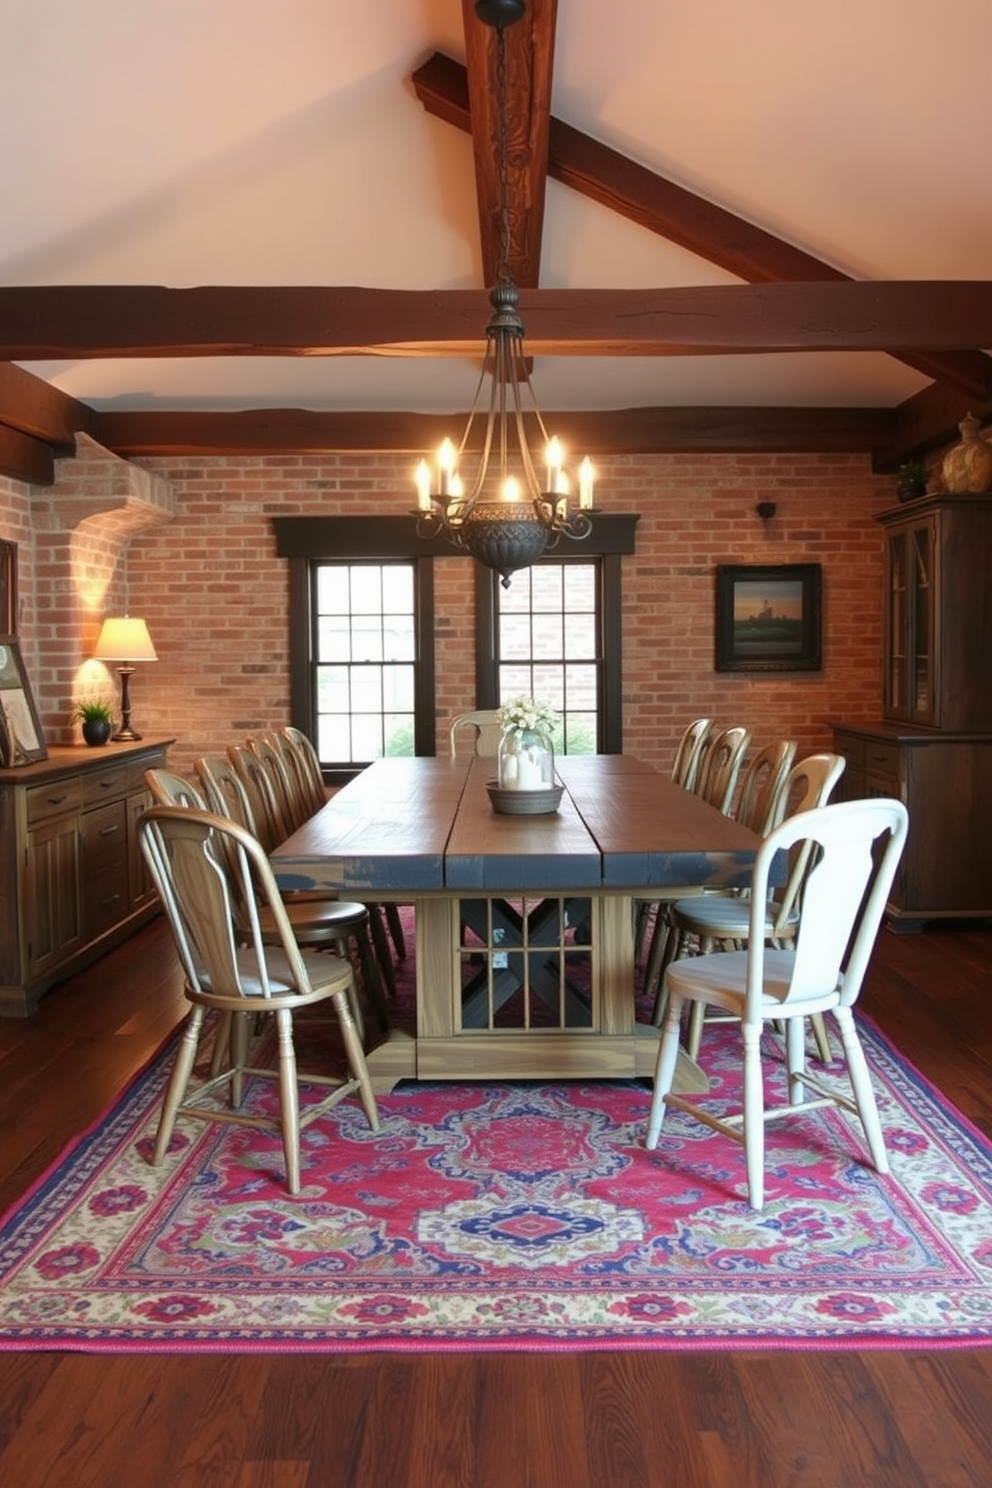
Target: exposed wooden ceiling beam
[529,59]
[68,322]
[719,236]
[627,430]
[32,406]
[25,459]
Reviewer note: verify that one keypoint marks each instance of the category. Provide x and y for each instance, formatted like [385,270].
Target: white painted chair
[689,753]
[485,730]
[844,898]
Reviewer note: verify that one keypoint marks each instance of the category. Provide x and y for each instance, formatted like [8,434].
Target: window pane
[547,639]
[366,589]
[365,622]
[333,638]
[580,635]
[366,638]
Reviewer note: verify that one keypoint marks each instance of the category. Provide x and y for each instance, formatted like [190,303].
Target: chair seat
[720,980]
[721,917]
[325,974]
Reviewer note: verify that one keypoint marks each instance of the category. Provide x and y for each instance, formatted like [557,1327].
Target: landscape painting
[768,618]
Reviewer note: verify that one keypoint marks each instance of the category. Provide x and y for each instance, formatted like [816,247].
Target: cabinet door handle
[106,903]
[109,831]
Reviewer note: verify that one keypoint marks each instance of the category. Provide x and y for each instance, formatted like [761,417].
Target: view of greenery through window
[364,660]
[365,663]
[547,646]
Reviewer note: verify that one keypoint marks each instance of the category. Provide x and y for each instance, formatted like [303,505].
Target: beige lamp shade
[124,639]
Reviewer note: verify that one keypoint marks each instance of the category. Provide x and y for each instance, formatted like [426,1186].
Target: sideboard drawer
[56,799]
[883,759]
[105,785]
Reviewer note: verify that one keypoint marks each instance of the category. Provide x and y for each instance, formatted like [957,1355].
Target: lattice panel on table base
[527,964]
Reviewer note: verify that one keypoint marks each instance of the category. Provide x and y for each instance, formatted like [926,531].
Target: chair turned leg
[396,931]
[664,1070]
[369,963]
[289,1099]
[864,1095]
[823,1048]
[672,949]
[754,1116]
[356,1059]
[383,955]
[178,1081]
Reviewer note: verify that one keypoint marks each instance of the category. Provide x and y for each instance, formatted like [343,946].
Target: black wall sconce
[766,510]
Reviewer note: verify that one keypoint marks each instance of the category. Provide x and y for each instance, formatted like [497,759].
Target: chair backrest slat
[486,732]
[721,767]
[692,746]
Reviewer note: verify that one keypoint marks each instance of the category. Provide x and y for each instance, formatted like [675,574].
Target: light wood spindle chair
[485,730]
[317,921]
[822,972]
[715,782]
[210,873]
[302,759]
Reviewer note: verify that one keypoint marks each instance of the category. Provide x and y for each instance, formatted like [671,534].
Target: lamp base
[125,736]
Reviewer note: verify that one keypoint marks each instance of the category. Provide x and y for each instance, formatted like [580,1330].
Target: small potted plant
[911,480]
[97,718]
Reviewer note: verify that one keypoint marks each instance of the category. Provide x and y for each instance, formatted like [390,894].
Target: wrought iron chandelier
[506,518]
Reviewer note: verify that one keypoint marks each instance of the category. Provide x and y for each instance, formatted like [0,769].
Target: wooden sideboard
[945,781]
[72,878]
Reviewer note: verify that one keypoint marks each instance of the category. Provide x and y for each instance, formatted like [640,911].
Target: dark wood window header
[396,537]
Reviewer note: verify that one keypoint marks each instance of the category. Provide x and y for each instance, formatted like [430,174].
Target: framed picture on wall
[8,588]
[768,617]
[21,738]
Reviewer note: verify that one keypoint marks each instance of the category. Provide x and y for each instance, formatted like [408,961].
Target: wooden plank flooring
[916,1419]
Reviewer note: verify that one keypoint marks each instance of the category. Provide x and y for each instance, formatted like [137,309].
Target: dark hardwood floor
[916,1419]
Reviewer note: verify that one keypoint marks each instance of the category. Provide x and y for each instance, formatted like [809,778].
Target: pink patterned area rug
[497,1216]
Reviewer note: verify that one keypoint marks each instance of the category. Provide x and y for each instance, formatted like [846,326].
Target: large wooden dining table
[524,923]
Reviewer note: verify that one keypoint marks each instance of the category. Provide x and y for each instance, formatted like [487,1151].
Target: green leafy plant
[95,710]
[911,478]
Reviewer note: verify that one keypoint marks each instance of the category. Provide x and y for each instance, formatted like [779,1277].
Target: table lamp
[125,640]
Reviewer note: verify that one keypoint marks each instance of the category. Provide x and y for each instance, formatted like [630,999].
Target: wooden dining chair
[212,876]
[714,780]
[760,802]
[485,731]
[822,972]
[690,751]
[724,919]
[717,778]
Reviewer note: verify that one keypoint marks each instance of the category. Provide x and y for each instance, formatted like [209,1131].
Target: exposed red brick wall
[215,595]
[216,601]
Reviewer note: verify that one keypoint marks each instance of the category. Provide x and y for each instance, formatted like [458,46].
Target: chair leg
[178,1081]
[664,1071]
[370,971]
[356,1058]
[289,1099]
[754,1116]
[673,946]
[864,1095]
[396,930]
[822,1040]
[239,1055]
[795,1058]
[383,955]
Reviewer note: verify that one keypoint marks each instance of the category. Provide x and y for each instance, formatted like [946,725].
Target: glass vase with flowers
[526,759]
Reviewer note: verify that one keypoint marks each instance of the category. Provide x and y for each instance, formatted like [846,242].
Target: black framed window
[361,638]
[556,634]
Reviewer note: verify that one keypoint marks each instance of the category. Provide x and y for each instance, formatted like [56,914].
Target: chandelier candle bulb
[585,484]
[423,480]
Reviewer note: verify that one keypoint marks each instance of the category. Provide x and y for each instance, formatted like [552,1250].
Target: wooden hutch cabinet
[72,877]
[932,747]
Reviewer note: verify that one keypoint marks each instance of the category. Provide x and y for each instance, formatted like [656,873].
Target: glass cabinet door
[909,630]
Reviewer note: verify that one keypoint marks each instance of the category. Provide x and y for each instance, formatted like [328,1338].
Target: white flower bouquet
[524,715]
